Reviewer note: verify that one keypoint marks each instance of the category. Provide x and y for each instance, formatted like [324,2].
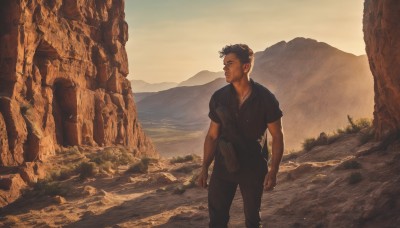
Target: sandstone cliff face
[382,38]
[63,69]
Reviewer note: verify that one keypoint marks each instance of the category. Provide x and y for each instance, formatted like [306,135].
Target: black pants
[220,195]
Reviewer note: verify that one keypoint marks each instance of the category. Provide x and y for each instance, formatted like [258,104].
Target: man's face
[234,69]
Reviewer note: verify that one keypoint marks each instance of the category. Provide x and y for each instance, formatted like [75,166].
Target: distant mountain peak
[307,42]
[298,45]
[304,40]
[204,72]
[202,78]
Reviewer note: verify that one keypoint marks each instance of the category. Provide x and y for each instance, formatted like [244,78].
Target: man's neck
[242,87]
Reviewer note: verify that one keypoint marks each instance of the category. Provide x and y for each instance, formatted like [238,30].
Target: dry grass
[141,166]
[48,188]
[87,169]
[87,164]
[187,158]
[115,155]
[352,127]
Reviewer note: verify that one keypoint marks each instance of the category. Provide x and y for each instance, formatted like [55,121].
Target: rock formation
[382,38]
[63,69]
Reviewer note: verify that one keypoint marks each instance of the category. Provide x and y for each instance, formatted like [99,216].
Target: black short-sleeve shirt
[256,112]
[259,109]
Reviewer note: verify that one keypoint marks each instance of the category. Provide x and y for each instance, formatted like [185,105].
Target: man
[240,113]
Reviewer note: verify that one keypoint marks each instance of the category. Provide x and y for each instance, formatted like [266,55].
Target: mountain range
[140,86]
[201,78]
[184,106]
[316,84]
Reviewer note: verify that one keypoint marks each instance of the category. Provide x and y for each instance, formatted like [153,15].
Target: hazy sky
[171,40]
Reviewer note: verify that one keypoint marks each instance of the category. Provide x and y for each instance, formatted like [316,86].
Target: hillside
[183,106]
[140,96]
[202,78]
[317,86]
[351,182]
[176,119]
[140,86]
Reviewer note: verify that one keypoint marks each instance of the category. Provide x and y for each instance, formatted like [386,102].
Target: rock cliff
[63,69]
[382,38]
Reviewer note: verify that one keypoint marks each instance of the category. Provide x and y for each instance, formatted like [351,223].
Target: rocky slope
[63,69]
[349,183]
[382,39]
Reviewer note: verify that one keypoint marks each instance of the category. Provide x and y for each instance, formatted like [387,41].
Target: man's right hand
[202,180]
[210,144]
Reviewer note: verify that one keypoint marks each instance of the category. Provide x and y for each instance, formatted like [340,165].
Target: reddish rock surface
[63,68]
[382,38]
[10,188]
[63,79]
[5,155]
[30,172]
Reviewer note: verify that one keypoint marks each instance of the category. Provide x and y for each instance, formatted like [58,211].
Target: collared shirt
[251,119]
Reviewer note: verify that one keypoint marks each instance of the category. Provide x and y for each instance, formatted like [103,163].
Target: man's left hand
[270,181]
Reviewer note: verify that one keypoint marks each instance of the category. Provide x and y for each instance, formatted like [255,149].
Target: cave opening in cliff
[45,54]
[45,50]
[8,14]
[64,111]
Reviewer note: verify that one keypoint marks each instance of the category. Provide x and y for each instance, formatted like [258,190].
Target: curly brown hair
[242,51]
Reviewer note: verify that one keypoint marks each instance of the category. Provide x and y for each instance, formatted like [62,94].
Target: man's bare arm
[276,130]
[210,144]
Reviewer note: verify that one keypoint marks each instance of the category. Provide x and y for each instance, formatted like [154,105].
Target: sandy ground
[337,185]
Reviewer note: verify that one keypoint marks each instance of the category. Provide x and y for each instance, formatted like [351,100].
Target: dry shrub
[50,188]
[87,169]
[356,126]
[141,166]
[111,158]
[116,155]
[352,127]
[187,158]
